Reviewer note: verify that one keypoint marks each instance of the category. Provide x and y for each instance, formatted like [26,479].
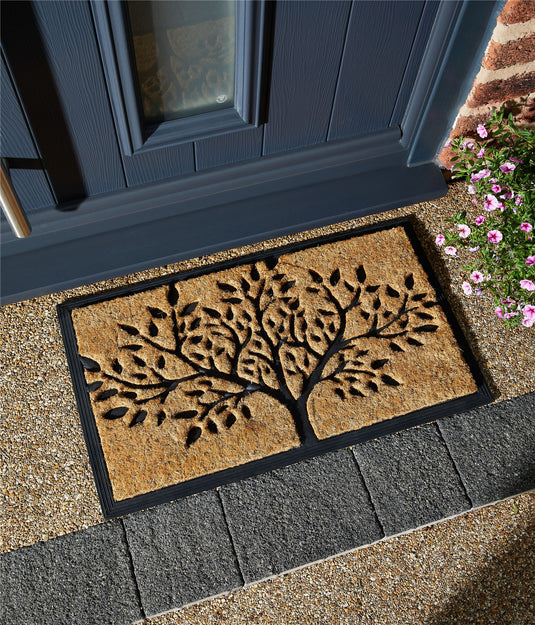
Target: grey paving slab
[494,448]
[299,514]
[182,552]
[82,578]
[411,478]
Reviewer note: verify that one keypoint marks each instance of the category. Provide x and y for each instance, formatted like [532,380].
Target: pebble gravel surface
[477,568]
[46,485]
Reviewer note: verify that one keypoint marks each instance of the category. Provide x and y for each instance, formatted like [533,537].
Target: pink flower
[519,200]
[474,249]
[474,201]
[528,285]
[447,144]
[526,226]
[482,131]
[481,153]
[472,188]
[530,260]
[464,231]
[529,312]
[440,238]
[467,288]
[507,167]
[510,314]
[495,188]
[517,160]
[499,312]
[507,195]
[494,236]
[450,250]
[478,292]
[479,220]
[491,202]
[476,276]
[527,323]
[468,144]
[484,173]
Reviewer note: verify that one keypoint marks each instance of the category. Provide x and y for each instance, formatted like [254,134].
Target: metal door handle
[11,206]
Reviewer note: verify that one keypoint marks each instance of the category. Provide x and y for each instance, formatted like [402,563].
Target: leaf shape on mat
[230,420]
[377,364]
[89,364]
[391,292]
[185,414]
[412,341]
[129,329]
[172,295]
[161,362]
[188,309]
[215,314]
[129,394]
[212,426]
[361,274]
[157,313]
[153,329]
[389,380]
[193,435]
[106,394]
[139,361]
[132,348]
[287,286]
[271,262]
[395,347]
[116,413]
[139,417]
[117,366]
[94,386]
[232,300]
[409,281]
[195,323]
[426,328]
[227,288]
[161,416]
[315,276]
[335,277]
[245,285]
[254,273]
[246,411]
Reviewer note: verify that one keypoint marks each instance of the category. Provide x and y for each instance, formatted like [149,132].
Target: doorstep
[182,552]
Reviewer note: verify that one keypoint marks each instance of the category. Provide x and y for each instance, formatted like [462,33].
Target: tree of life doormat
[205,377]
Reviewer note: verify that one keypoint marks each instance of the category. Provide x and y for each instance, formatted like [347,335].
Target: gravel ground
[46,484]
[475,568]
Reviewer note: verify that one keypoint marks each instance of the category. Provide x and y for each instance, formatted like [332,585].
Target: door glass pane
[185,55]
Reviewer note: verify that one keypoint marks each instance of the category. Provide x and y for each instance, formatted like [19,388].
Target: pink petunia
[495,188]
[507,167]
[481,153]
[479,220]
[472,188]
[526,226]
[482,131]
[464,231]
[528,285]
[499,312]
[507,195]
[519,200]
[484,173]
[440,238]
[477,276]
[474,249]
[450,250]
[467,288]
[527,323]
[529,312]
[494,236]
[491,202]
[530,260]
[467,144]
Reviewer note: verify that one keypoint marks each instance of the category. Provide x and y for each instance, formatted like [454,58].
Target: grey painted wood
[159,164]
[378,44]
[425,26]
[72,54]
[227,149]
[31,187]
[308,41]
[15,138]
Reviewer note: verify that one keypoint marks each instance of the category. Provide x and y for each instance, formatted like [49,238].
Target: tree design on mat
[263,334]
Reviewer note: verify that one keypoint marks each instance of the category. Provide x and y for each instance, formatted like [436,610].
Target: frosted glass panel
[185,55]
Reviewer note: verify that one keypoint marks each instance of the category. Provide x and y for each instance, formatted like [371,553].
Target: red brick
[516,11]
[502,90]
[511,53]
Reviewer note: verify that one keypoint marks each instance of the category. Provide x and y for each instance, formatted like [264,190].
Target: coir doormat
[205,377]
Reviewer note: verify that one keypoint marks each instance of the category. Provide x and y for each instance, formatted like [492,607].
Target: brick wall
[507,74]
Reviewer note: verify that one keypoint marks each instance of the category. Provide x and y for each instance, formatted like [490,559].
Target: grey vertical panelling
[379,42]
[308,43]
[226,149]
[15,139]
[30,185]
[159,164]
[71,48]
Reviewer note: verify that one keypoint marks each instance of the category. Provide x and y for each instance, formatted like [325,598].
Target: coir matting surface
[193,380]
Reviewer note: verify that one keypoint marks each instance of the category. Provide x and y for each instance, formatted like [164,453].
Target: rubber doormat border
[308,448]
